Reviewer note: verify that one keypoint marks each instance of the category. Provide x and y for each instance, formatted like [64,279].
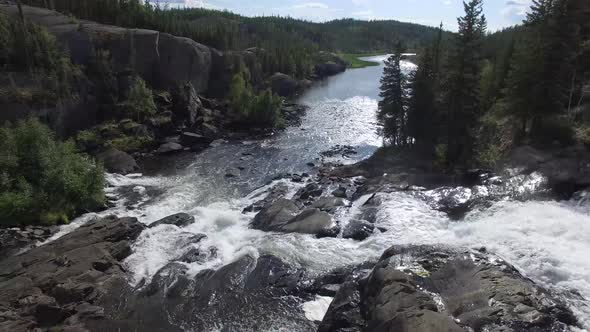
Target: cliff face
[161,59]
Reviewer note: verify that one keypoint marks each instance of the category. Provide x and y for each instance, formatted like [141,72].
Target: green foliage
[440,155]
[140,103]
[289,44]
[355,61]
[394,101]
[32,49]
[131,143]
[43,180]
[260,111]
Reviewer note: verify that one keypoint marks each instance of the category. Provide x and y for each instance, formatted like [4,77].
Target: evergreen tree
[393,105]
[422,110]
[462,85]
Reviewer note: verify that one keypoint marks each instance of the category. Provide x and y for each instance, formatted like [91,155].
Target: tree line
[474,97]
[291,45]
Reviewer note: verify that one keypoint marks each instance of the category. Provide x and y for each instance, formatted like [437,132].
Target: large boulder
[329,69]
[358,230]
[436,288]
[179,220]
[186,105]
[116,161]
[59,284]
[310,221]
[283,85]
[275,216]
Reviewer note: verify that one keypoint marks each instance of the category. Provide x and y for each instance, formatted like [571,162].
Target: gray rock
[445,289]
[275,216]
[329,204]
[186,105]
[168,148]
[116,161]
[340,192]
[183,60]
[278,191]
[46,286]
[283,85]
[358,230]
[310,221]
[194,140]
[179,219]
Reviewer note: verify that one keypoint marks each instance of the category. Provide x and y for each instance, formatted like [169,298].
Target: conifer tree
[393,105]
[462,85]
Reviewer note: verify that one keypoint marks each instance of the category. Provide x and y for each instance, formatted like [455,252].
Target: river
[547,241]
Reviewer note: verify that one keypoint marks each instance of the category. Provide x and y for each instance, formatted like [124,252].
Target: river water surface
[547,241]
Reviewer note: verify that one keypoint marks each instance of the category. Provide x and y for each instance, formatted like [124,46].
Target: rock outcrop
[116,161]
[60,283]
[161,59]
[432,288]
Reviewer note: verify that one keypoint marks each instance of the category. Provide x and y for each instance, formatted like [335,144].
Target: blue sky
[500,13]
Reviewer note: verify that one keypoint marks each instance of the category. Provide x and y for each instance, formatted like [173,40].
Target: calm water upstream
[548,241]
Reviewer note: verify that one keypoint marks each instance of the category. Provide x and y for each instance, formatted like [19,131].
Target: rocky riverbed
[315,228]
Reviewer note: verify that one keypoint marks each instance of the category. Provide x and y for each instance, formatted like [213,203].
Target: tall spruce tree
[392,113]
[461,100]
[422,110]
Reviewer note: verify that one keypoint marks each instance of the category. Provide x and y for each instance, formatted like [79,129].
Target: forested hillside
[291,45]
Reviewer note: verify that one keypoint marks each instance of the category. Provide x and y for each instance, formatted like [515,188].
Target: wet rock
[278,191]
[309,191]
[358,230]
[437,288]
[230,296]
[179,220]
[310,221]
[275,216]
[46,286]
[339,150]
[340,192]
[328,232]
[116,161]
[168,148]
[456,202]
[329,204]
[194,140]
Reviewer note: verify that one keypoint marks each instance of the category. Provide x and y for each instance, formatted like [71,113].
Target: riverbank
[356,62]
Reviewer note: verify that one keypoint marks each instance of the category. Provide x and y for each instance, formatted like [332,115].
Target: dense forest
[477,96]
[291,45]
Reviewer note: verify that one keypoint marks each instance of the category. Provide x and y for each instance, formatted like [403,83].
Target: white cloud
[316,5]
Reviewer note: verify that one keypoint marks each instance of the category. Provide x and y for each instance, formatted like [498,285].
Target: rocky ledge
[59,284]
[432,288]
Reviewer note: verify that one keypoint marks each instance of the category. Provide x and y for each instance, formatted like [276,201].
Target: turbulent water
[547,241]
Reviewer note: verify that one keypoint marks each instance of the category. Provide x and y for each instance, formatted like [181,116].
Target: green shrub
[440,154]
[140,103]
[489,156]
[260,111]
[43,180]
[131,143]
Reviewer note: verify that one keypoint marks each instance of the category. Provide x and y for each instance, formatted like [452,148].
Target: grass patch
[356,62]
